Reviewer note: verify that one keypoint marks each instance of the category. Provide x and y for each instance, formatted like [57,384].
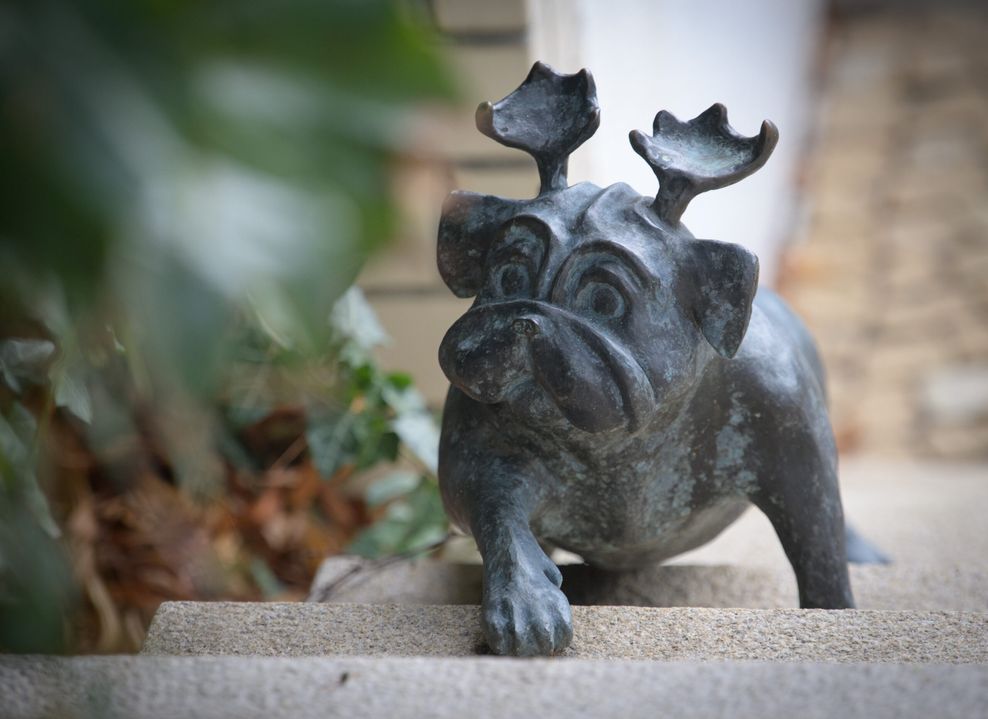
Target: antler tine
[703,154]
[548,116]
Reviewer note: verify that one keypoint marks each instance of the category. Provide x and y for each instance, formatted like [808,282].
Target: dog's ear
[468,225]
[726,281]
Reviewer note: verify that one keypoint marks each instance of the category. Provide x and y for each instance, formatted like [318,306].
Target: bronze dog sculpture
[619,388]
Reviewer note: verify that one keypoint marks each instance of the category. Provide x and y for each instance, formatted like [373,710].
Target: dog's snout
[527,326]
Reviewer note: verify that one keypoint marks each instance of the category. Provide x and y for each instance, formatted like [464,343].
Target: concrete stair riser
[444,688]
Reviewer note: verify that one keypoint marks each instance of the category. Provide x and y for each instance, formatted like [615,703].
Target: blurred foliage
[188,188]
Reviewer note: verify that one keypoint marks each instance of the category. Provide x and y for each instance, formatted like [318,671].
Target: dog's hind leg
[801,497]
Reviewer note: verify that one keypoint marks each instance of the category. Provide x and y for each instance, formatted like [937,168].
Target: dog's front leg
[524,611]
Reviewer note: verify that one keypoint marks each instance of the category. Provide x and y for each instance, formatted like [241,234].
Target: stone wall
[892,275]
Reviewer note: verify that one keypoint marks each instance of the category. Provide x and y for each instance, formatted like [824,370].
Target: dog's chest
[654,499]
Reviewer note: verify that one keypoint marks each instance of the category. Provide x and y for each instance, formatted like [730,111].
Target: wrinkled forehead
[586,219]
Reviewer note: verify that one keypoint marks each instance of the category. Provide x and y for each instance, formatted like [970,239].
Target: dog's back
[789,324]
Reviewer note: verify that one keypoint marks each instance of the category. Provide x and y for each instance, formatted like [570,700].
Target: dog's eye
[512,280]
[602,300]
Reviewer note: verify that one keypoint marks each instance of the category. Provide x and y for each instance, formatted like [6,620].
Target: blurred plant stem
[188,189]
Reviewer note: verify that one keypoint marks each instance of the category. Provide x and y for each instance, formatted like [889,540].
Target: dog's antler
[548,116]
[703,154]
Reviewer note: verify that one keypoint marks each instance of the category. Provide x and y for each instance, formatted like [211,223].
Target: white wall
[755,56]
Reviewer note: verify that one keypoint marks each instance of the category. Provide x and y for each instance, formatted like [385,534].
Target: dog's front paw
[527,615]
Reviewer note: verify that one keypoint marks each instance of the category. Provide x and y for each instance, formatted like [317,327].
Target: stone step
[427,581]
[444,688]
[680,634]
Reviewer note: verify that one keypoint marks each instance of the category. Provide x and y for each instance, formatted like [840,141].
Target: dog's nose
[527,326]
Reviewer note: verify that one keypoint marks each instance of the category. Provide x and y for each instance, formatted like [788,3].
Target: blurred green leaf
[353,319]
[25,359]
[15,453]
[71,393]
[265,579]
[18,434]
[399,380]
[413,423]
[328,436]
[418,431]
[391,486]
[35,589]
[413,522]
[206,157]
[188,187]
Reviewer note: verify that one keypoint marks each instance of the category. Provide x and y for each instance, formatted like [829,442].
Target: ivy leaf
[391,487]
[25,359]
[418,432]
[412,523]
[16,434]
[399,380]
[413,423]
[354,321]
[14,454]
[327,434]
[71,393]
